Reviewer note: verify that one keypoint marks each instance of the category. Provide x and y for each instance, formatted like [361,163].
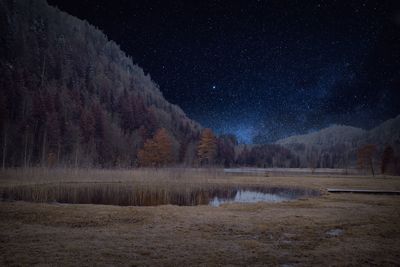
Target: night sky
[272,67]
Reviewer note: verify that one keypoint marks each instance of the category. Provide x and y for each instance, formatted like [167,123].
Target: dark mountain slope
[337,146]
[68,95]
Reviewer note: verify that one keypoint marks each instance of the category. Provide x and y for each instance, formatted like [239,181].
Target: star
[291,72]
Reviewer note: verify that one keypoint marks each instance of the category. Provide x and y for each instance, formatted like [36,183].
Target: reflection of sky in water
[246,196]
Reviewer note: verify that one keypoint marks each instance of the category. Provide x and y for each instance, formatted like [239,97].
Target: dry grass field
[332,229]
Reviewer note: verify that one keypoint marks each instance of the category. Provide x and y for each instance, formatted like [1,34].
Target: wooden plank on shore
[363,191]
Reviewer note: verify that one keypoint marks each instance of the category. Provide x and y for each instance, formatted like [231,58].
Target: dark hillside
[70,96]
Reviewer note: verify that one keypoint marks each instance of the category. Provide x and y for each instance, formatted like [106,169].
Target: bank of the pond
[151,195]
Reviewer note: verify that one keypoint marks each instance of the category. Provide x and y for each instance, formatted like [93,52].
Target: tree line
[368,159]
[212,150]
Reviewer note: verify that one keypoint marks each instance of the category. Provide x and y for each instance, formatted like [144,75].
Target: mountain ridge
[345,133]
[336,146]
[339,132]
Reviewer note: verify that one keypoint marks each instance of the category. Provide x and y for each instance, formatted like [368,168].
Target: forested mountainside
[333,135]
[337,146]
[70,96]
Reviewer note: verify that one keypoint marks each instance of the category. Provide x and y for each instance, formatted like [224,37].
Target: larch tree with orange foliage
[207,148]
[157,152]
[164,145]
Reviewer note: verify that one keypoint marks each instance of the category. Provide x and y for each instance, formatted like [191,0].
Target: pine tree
[207,148]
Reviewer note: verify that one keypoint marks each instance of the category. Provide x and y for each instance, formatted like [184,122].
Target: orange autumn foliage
[156,152]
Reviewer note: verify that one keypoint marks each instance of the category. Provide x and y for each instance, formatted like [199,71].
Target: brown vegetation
[137,188]
[157,152]
[365,157]
[362,229]
[389,162]
[207,148]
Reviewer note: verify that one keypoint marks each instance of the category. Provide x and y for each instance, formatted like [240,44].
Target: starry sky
[262,70]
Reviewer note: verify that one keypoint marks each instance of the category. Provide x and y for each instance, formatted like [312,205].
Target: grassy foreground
[334,229]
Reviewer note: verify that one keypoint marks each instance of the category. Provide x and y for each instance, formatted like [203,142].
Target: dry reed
[138,187]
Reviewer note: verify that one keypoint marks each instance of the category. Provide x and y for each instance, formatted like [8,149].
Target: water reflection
[134,195]
[248,196]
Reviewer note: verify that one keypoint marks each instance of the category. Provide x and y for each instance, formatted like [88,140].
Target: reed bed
[142,175]
[139,187]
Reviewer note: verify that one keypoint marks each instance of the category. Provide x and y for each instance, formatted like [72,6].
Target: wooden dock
[363,191]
